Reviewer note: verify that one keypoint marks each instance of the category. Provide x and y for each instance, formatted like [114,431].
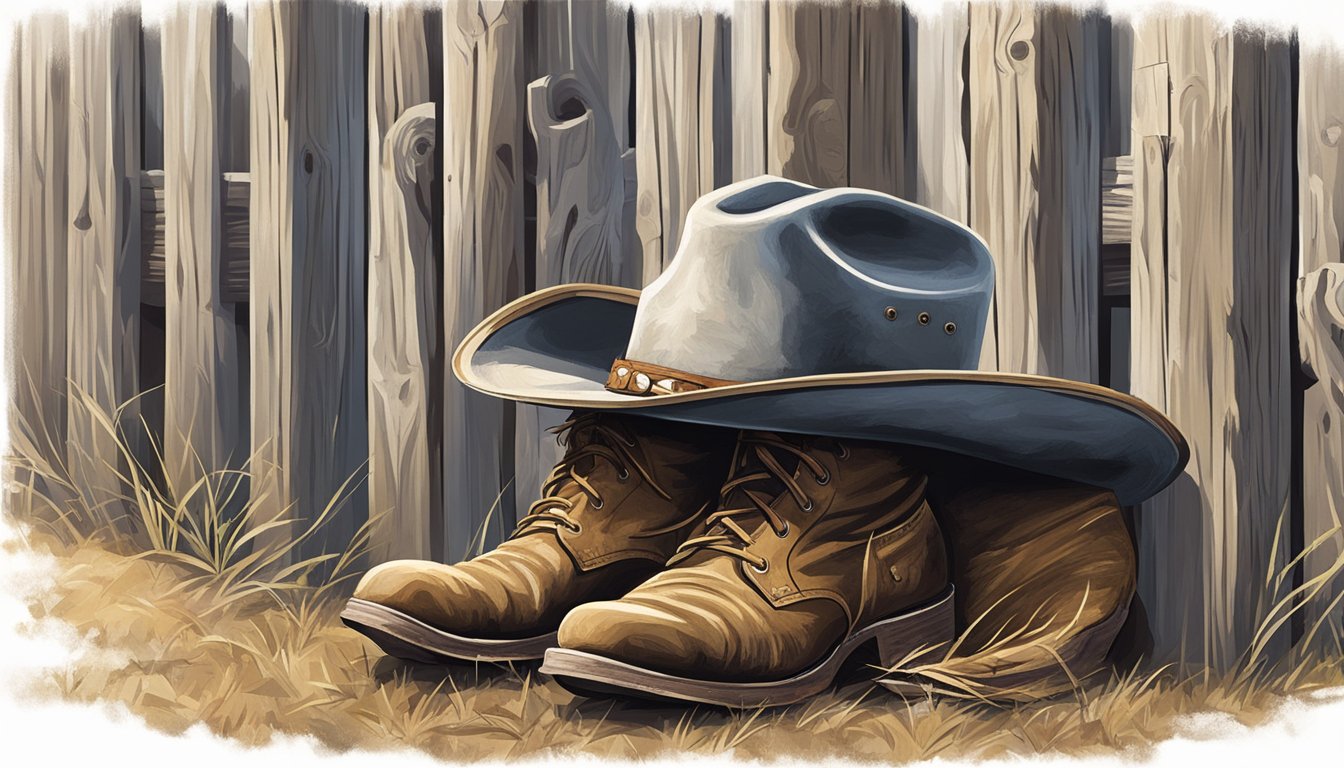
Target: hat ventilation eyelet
[950,328]
[890,313]
[923,318]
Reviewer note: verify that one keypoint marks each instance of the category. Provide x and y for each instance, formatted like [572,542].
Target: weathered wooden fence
[289,218]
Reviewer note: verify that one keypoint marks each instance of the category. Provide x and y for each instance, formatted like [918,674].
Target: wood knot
[1019,50]
[308,161]
[1331,135]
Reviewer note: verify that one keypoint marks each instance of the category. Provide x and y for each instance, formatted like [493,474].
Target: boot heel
[921,635]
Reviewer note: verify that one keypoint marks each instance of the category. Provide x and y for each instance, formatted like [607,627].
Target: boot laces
[587,438]
[759,480]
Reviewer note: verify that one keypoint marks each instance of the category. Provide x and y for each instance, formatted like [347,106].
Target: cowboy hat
[840,312]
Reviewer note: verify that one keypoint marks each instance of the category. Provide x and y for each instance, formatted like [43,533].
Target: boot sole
[924,630]
[406,637]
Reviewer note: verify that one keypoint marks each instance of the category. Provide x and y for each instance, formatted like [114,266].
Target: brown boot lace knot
[587,438]
[756,451]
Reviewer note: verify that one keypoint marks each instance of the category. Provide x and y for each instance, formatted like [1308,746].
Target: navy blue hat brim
[555,347]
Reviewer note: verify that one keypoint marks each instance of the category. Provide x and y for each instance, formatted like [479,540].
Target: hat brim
[555,347]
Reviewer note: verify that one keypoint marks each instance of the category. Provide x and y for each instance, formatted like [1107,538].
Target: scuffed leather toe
[681,622]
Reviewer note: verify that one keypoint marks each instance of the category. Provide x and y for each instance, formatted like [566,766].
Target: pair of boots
[688,562]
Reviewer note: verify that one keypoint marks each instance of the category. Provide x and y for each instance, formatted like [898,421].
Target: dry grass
[282,663]
[204,623]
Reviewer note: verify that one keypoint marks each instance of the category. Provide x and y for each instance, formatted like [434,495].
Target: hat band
[634,377]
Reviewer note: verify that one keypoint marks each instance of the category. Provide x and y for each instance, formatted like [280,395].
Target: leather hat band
[633,377]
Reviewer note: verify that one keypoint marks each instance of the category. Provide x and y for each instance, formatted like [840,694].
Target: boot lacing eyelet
[824,479]
[623,475]
[844,451]
[784,534]
[575,527]
[598,504]
[765,566]
[808,506]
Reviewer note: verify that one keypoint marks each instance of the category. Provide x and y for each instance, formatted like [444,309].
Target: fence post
[1036,183]
[308,251]
[941,176]
[104,249]
[37,109]
[203,398]
[405,350]
[1321,202]
[483,252]
[1210,327]
[876,154]
[835,94]
[405,345]
[808,92]
[750,81]
[581,235]
[682,144]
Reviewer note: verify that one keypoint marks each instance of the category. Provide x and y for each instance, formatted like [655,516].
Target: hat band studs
[634,377]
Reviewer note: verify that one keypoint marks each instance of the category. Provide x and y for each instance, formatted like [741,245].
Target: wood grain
[1321,202]
[405,346]
[682,141]
[877,144]
[580,230]
[405,350]
[940,177]
[37,109]
[1209,324]
[204,401]
[483,253]
[308,252]
[1035,184]
[103,302]
[750,79]
[808,97]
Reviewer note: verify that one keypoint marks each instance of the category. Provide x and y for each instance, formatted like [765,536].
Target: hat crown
[776,279]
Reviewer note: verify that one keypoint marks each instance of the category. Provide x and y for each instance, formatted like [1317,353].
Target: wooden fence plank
[104,252]
[580,229]
[1321,201]
[749,73]
[152,96]
[600,55]
[809,92]
[405,349]
[682,143]
[1210,327]
[37,108]
[941,174]
[308,251]
[204,400]
[876,145]
[406,356]
[483,252]
[1035,183]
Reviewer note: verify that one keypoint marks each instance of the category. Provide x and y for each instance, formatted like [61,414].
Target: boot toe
[432,593]
[701,635]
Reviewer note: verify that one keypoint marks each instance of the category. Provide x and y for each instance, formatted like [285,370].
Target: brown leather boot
[819,546]
[627,492]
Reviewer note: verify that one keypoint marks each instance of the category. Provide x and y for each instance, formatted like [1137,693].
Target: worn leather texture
[869,548]
[573,551]
[1044,568]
